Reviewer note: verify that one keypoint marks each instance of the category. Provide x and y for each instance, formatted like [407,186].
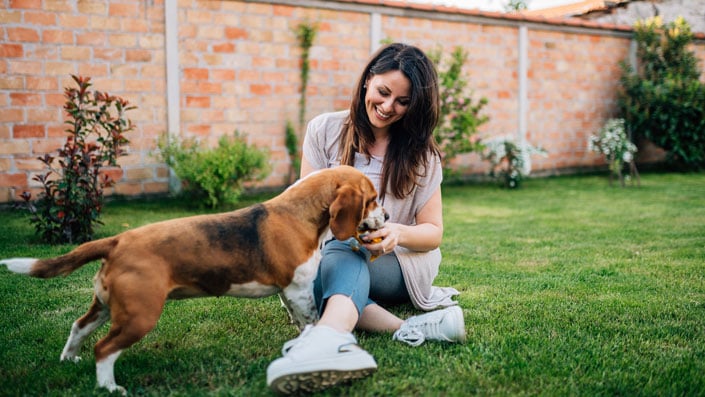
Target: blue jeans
[350,273]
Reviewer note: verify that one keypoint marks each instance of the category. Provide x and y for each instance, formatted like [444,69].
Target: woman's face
[387,99]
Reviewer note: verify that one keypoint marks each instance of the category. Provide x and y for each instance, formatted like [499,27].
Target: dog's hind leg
[96,316]
[135,308]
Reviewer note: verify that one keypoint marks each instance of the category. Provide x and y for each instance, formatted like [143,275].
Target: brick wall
[238,69]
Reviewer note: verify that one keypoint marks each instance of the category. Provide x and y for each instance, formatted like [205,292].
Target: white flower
[613,143]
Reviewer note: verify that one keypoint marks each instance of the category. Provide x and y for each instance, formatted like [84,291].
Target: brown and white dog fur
[261,250]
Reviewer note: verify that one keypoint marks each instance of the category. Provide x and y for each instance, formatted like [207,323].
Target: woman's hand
[389,235]
[425,235]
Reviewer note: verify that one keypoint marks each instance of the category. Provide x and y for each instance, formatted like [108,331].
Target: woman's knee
[342,271]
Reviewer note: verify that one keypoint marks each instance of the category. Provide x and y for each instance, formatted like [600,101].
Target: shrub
[214,177]
[291,141]
[612,142]
[460,115]
[509,161]
[69,206]
[663,99]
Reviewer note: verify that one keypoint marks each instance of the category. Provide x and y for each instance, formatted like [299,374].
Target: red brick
[11,115]
[11,82]
[54,131]
[14,147]
[219,75]
[138,55]
[124,10]
[24,99]
[115,173]
[108,54]
[43,114]
[199,129]
[92,70]
[29,164]
[235,33]
[198,101]
[76,53]
[22,35]
[224,47]
[54,100]
[13,179]
[26,4]
[260,89]
[196,74]
[28,131]
[40,18]
[91,38]
[11,50]
[10,16]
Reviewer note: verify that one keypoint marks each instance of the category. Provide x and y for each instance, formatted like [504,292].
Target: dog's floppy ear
[346,212]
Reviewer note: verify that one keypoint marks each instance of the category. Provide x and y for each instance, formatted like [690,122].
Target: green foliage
[663,99]
[516,5]
[69,207]
[306,34]
[292,148]
[214,177]
[460,115]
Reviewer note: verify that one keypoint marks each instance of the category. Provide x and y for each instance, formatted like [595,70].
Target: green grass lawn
[568,286]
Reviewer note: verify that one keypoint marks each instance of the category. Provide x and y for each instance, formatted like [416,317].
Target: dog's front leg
[299,302]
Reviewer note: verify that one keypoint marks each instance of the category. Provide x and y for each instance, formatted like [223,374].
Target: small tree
[69,206]
[662,98]
[460,116]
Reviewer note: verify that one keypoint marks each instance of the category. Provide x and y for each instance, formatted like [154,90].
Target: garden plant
[460,115]
[568,288]
[68,208]
[213,176]
[613,143]
[510,161]
[663,98]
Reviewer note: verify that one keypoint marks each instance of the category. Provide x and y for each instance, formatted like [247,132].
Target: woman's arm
[426,235]
[306,167]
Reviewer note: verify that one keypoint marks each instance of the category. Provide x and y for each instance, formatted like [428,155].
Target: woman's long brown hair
[411,142]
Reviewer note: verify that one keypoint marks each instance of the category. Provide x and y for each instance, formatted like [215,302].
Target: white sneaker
[320,357]
[445,325]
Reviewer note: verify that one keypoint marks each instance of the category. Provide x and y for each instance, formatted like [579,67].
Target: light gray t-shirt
[320,149]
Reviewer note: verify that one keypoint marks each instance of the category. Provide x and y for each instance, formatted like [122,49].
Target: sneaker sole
[317,380]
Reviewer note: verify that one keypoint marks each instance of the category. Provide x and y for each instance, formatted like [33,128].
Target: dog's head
[355,206]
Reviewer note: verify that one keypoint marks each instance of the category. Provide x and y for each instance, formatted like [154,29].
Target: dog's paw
[72,358]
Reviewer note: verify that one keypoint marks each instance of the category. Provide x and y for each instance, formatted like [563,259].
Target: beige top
[320,148]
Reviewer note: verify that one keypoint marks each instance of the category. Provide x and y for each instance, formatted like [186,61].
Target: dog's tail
[64,264]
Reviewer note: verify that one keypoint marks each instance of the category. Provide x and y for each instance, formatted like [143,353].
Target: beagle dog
[268,248]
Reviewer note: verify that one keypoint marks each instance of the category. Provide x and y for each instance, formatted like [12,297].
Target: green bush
[663,99]
[213,177]
[68,208]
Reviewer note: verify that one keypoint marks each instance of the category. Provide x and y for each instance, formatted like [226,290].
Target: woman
[388,135]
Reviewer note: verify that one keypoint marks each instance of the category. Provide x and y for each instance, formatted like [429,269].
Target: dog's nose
[386,216]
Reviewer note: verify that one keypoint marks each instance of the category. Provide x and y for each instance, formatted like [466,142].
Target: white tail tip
[19,265]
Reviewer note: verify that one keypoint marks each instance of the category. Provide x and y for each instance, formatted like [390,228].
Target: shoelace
[410,336]
[415,332]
